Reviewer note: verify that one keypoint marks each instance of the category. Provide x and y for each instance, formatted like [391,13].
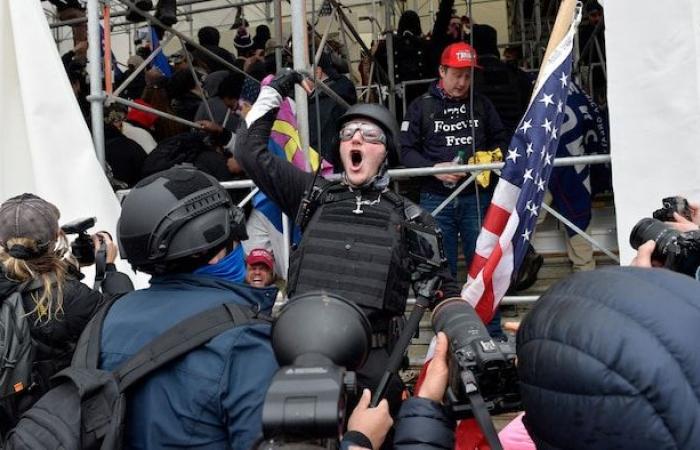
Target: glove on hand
[285,80]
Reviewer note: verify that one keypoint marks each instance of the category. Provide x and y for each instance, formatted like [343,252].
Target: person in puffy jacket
[608,359]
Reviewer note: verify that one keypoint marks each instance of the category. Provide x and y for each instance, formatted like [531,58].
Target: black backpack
[178,149]
[87,409]
[16,352]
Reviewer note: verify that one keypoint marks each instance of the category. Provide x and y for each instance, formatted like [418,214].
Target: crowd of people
[181,227]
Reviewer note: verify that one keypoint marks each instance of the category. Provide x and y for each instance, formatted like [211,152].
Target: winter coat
[609,359]
[436,127]
[423,424]
[54,340]
[124,156]
[211,398]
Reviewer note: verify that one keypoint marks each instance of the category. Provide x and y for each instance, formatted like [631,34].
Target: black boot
[166,12]
[144,5]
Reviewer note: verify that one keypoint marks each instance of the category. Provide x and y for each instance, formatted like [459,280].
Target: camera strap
[100,265]
[481,412]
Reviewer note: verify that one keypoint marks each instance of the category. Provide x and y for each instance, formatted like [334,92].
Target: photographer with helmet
[353,242]
[181,227]
[43,305]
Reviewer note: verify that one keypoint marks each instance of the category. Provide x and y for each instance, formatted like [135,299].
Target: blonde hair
[51,268]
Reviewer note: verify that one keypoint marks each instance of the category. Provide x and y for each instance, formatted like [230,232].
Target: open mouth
[356,158]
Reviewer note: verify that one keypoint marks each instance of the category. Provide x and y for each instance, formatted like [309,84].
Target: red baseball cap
[261,256]
[459,55]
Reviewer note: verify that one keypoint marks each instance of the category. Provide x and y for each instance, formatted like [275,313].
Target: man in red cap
[260,268]
[446,126]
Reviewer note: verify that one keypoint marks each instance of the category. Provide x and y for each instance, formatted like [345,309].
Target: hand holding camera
[87,248]
[676,244]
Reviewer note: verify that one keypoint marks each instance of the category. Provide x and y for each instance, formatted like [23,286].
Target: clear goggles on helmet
[370,133]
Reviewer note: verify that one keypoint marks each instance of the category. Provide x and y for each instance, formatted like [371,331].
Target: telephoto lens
[649,229]
[477,362]
[467,334]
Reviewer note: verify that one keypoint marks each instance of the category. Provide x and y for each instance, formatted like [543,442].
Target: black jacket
[423,424]
[436,127]
[57,338]
[124,156]
[609,359]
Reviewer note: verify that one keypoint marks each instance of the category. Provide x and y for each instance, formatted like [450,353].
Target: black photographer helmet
[174,215]
[379,115]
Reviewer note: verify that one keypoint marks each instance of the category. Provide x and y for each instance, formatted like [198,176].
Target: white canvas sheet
[653,51]
[45,146]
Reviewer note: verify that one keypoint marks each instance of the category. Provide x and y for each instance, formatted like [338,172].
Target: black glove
[285,80]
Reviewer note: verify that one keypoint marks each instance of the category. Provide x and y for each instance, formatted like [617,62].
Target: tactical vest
[354,248]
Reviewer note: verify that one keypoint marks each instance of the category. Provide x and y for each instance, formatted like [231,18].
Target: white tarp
[45,146]
[653,51]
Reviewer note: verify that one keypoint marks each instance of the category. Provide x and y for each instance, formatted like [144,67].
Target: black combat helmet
[179,217]
[382,117]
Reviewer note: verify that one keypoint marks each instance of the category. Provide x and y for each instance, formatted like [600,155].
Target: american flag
[511,218]
[512,215]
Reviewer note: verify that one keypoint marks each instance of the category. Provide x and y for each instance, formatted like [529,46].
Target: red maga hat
[261,256]
[459,55]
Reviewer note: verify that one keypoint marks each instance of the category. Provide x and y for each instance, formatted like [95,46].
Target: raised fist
[285,80]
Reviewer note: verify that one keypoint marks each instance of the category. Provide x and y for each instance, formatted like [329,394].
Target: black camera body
[425,249]
[319,339]
[308,399]
[477,362]
[677,251]
[83,247]
[672,205]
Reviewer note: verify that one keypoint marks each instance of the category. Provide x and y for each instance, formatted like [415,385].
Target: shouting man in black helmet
[352,242]
[181,227]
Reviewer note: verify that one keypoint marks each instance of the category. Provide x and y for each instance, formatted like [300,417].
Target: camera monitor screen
[424,244]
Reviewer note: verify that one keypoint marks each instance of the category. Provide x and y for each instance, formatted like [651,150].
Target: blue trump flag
[160,61]
[583,131]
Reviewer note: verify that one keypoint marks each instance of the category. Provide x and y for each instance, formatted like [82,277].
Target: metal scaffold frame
[98,98]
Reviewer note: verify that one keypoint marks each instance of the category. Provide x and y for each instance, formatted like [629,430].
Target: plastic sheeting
[653,52]
[45,145]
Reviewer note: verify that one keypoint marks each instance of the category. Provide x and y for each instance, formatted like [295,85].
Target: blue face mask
[230,268]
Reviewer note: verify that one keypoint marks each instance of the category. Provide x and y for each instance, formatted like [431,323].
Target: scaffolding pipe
[324,39]
[300,52]
[395,174]
[454,194]
[95,70]
[142,66]
[279,34]
[69,22]
[187,39]
[140,107]
[580,232]
[423,171]
[389,42]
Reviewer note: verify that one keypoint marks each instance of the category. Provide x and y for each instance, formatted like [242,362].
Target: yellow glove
[485,157]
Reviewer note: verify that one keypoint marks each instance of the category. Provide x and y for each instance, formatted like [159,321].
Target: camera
[318,340]
[83,247]
[424,249]
[477,362]
[672,205]
[677,251]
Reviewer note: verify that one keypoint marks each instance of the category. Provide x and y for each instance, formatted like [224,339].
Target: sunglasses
[370,133]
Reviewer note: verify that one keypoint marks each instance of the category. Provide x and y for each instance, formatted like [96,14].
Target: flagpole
[565,15]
